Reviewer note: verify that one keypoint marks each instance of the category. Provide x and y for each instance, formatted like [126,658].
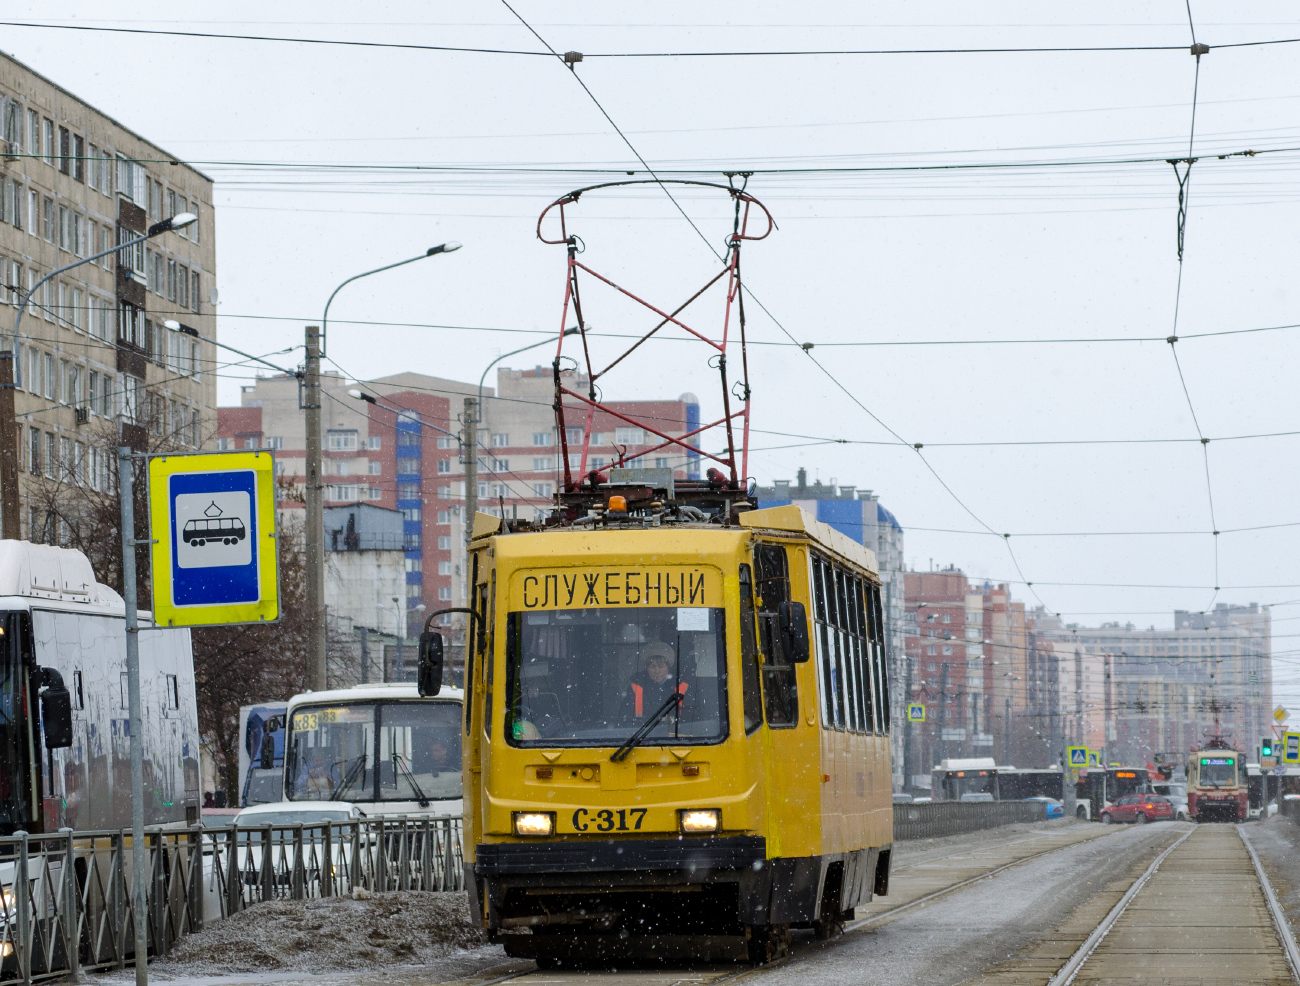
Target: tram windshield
[1218,772]
[593,677]
[374,751]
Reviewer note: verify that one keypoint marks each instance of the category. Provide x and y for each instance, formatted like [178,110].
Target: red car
[1138,808]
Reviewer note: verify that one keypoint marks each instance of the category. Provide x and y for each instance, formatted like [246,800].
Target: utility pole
[469,459]
[1006,732]
[907,725]
[139,859]
[8,448]
[365,655]
[943,710]
[315,521]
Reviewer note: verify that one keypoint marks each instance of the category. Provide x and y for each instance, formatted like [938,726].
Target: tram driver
[650,689]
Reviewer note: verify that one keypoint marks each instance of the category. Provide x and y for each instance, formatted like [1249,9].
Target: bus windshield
[13,729]
[374,751]
[1218,771]
[593,677]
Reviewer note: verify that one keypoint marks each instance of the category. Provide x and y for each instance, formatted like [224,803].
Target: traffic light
[1266,748]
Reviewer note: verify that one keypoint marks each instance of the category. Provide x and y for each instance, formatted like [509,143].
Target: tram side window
[851,679]
[863,652]
[821,643]
[780,686]
[878,640]
[753,699]
[830,646]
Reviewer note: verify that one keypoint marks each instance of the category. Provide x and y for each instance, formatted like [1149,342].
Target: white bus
[66,761]
[380,747]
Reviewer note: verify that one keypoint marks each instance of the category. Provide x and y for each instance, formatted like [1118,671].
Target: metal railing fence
[928,821]
[65,898]
[252,864]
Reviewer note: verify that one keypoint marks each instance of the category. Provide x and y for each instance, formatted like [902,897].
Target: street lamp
[9,508]
[471,437]
[8,425]
[175,222]
[572,330]
[449,247]
[315,519]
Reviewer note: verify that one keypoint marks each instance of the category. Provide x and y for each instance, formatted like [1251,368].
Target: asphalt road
[963,935]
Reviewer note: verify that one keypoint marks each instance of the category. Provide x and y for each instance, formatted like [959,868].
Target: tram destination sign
[214,552]
[598,587]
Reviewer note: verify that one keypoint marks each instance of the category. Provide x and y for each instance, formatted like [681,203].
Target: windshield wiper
[358,766]
[400,761]
[619,755]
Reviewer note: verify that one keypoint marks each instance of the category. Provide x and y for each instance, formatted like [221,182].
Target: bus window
[780,687]
[753,699]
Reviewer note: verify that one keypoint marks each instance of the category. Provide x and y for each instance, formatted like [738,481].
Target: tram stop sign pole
[214,562]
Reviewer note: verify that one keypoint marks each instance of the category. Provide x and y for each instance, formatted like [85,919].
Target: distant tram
[1217,783]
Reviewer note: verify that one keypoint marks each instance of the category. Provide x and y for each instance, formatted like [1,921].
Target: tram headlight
[697,821]
[534,822]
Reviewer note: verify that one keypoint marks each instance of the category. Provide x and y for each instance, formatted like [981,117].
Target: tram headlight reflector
[534,822]
[701,820]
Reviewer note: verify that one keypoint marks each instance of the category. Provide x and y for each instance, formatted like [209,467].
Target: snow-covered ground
[391,937]
[414,939]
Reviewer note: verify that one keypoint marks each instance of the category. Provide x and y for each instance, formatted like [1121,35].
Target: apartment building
[403,452]
[1135,692]
[94,353]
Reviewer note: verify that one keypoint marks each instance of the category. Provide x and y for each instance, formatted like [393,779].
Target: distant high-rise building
[1134,693]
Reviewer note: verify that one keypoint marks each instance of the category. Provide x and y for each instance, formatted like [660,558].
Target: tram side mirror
[429,673]
[267,753]
[56,709]
[794,631]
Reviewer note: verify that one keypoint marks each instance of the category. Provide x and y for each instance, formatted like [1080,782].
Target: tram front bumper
[596,865]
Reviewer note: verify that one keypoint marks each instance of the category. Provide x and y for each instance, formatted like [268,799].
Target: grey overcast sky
[1042,253]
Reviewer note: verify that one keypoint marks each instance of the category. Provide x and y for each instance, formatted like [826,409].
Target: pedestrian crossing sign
[916,713]
[1077,755]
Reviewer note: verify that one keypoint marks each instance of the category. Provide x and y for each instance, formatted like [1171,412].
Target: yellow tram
[676,732]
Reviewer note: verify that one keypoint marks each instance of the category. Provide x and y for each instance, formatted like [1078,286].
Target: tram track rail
[1074,963]
[1210,888]
[1280,922]
[802,950]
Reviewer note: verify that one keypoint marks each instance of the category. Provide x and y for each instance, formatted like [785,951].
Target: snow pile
[330,934]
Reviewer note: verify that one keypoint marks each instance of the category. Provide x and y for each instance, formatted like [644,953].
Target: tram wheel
[829,928]
[767,942]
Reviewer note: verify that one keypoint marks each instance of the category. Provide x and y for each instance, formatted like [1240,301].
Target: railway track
[1202,912]
[915,885]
